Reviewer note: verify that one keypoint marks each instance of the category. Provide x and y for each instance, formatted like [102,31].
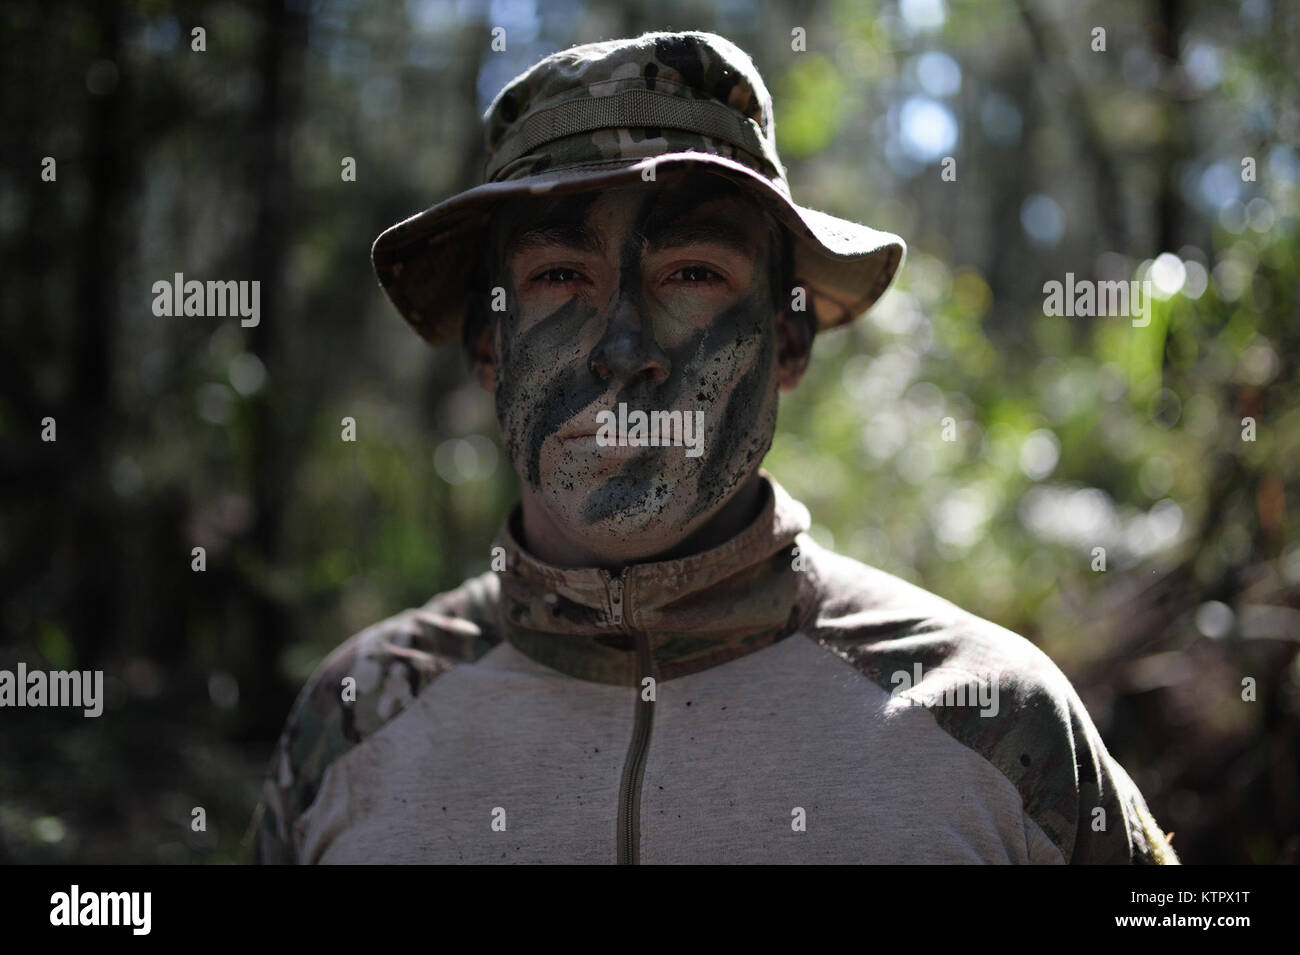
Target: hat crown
[627,99]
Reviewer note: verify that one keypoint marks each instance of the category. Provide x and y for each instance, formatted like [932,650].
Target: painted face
[655,298]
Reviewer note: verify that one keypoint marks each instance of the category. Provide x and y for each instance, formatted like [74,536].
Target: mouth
[583,441]
[589,438]
[580,426]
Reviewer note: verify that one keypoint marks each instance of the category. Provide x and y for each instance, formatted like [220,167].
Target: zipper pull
[616,601]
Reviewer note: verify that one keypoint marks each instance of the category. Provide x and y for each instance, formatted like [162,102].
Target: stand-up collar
[695,612]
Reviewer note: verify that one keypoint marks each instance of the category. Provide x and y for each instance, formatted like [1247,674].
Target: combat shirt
[764,701]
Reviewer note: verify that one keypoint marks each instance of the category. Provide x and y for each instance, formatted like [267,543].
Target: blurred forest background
[1072,433]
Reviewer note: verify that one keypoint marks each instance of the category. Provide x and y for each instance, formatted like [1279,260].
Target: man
[662,666]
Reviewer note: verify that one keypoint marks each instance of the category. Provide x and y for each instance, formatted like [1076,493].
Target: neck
[559,545]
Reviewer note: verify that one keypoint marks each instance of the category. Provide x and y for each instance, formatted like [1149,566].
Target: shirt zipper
[629,796]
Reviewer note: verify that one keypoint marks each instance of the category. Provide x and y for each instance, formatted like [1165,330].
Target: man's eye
[558,275]
[693,274]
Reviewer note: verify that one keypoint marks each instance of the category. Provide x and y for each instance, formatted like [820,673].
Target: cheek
[543,383]
[736,343]
[739,382]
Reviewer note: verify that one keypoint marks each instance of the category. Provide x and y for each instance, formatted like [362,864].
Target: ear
[481,350]
[794,338]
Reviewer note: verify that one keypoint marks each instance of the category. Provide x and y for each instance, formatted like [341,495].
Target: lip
[589,438]
[585,442]
[619,439]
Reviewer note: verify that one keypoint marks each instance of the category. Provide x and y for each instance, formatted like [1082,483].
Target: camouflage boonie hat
[598,115]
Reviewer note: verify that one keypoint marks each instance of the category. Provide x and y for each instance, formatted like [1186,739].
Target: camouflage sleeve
[321,727]
[364,683]
[1113,823]
[1037,733]
[1042,739]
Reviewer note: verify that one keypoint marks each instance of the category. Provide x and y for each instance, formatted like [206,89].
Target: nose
[628,351]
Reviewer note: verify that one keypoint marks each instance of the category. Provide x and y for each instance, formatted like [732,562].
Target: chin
[626,516]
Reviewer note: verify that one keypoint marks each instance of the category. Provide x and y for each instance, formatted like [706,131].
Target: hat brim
[424,263]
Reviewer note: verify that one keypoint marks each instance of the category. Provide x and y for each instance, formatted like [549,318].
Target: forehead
[662,208]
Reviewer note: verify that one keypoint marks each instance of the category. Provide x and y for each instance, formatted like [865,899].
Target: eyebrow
[570,235]
[713,232]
